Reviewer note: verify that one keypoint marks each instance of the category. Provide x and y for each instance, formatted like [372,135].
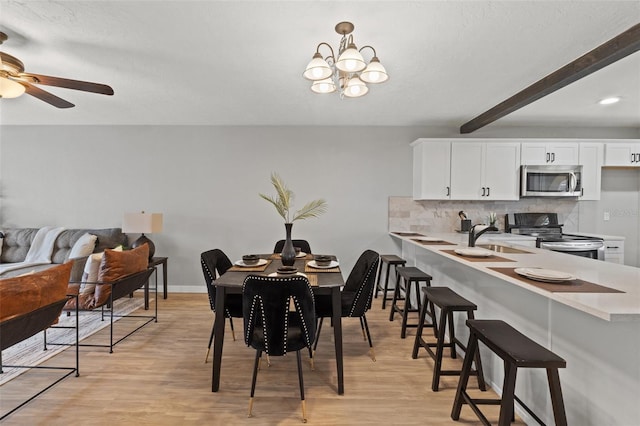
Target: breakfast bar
[592,321]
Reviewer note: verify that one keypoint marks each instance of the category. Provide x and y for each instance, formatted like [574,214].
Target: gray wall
[206,179]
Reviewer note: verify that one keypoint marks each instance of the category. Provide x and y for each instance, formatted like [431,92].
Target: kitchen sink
[502,249]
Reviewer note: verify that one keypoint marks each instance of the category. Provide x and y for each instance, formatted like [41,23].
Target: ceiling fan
[14,81]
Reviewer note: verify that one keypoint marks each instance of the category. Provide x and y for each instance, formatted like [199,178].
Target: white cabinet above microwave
[550,153]
[622,154]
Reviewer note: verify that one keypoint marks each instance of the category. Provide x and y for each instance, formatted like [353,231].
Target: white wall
[206,180]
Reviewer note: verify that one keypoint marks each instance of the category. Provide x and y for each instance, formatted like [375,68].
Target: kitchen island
[597,333]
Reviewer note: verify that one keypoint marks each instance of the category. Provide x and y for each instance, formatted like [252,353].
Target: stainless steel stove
[549,235]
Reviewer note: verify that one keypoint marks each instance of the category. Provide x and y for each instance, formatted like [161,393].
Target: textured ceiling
[241,62]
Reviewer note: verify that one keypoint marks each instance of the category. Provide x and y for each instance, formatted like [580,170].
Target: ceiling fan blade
[85,86]
[43,95]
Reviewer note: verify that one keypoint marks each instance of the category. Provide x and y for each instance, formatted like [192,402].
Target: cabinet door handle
[582,192]
[612,247]
[483,191]
[553,157]
[488,191]
[548,157]
[448,191]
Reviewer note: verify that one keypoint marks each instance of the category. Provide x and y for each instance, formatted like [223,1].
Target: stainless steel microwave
[550,181]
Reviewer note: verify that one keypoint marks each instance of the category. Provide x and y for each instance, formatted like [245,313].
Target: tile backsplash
[426,216]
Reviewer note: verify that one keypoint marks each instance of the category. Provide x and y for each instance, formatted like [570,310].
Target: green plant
[284,197]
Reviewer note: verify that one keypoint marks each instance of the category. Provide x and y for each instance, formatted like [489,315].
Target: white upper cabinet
[431,169]
[550,152]
[591,159]
[485,170]
[625,154]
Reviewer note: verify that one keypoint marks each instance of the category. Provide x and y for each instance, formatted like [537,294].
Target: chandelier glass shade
[349,74]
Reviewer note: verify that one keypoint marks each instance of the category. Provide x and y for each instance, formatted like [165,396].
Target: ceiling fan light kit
[14,82]
[349,73]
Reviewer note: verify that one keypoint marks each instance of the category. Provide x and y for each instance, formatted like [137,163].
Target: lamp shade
[318,69]
[10,89]
[324,86]
[355,88]
[351,60]
[142,223]
[374,73]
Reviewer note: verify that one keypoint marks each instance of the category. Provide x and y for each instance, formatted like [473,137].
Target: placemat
[408,234]
[308,268]
[432,243]
[260,268]
[313,279]
[575,286]
[479,259]
[277,256]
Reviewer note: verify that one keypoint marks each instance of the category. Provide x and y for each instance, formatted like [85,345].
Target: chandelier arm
[333,57]
[370,47]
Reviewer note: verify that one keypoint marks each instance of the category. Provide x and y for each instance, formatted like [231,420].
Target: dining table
[324,281]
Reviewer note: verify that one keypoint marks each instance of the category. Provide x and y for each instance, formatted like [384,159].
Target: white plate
[301,254]
[474,252]
[260,263]
[313,264]
[546,275]
[430,239]
[275,274]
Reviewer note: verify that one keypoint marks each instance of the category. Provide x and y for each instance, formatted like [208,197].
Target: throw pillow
[21,295]
[84,246]
[91,270]
[116,265]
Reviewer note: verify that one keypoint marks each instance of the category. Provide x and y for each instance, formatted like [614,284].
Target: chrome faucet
[482,229]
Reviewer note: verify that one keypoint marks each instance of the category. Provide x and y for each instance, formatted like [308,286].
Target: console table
[156,261]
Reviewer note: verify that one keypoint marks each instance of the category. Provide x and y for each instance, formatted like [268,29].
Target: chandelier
[349,73]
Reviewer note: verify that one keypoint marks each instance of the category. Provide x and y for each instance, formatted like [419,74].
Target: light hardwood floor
[158,377]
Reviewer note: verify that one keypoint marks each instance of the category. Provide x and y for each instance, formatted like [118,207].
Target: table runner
[432,243]
[308,268]
[479,259]
[260,268]
[277,256]
[574,286]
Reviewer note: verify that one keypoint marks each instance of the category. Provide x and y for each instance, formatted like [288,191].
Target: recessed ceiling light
[609,101]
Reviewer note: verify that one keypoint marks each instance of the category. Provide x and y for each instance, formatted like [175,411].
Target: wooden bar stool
[389,259]
[449,302]
[411,278]
[516,350]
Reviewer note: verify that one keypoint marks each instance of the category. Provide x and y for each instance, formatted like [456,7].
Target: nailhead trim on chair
[374,267]
[213,279]
[286,319]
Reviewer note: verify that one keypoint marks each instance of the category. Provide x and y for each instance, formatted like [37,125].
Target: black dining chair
[355,296]
[215,263]
[303,244]
[270,325]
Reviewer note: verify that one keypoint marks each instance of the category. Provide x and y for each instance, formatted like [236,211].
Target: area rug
[31,351]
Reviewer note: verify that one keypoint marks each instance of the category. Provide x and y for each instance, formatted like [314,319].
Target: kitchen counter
[607,306]
[598,334]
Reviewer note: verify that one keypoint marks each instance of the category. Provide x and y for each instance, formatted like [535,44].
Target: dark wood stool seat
[388,259]
[449,302]
[517,350]
[411,278]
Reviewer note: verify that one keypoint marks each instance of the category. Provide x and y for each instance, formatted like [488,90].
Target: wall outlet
[607,216]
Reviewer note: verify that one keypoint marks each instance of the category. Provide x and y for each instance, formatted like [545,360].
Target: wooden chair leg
[472,347]
[452,335]
[253,380]
[556,397]
[301,381]
[233,332]
[366,327]
[508,391]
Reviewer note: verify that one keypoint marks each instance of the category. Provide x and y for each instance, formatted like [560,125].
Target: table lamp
[143,223]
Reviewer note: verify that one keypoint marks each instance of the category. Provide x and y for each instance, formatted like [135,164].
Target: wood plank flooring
[158,377]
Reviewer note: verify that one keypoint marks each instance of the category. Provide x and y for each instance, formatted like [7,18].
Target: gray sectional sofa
[16,244]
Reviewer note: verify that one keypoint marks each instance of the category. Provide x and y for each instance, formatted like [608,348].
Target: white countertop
[608,306]
[604,237]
